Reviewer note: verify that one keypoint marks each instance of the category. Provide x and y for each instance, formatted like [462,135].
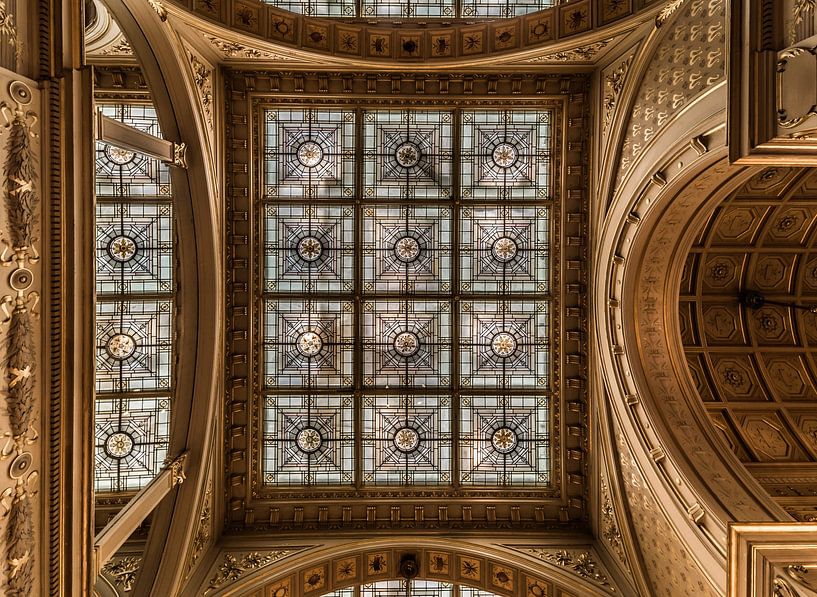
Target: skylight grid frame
[135,310]
[374,296]
[407,9]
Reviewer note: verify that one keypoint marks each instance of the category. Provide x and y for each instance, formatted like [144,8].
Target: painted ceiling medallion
[503,345]
[406,344]
[118,155]
[504,440]
[310,249]
[119,444]
[308,440]
[505,155]
[310,154]
[504,249]
[122,248]
[406,439]
[121,346]
[309,344]
[407,154]
[407,249]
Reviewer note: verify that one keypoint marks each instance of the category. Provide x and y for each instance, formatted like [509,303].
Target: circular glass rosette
[406,344]
[406,439]
[118,155]
[122,248]
[309,154]
[310,249]
[504,155]
[121,346]
[308,440]
[504,249]
[309,344]
[504,440]
[407,249]
[407,154]
[119,444]
[503,345]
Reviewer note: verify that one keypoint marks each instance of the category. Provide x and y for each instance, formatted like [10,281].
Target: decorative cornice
[123,571]
[233,567]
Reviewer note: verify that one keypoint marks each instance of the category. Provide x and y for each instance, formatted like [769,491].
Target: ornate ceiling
[754,366]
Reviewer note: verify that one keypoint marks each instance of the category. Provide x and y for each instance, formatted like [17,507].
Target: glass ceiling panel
[413,8]
[134,309]
[406,321]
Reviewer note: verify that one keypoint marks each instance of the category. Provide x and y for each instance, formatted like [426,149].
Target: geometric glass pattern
[309,153]
[404,287]
[406,440]
[504,344]
[407,154]
[308,248]
[308,440]
[506,154]
[408,8]
[132,434]
[406,248]
[504,249]
[504,440]
[308,343]
[134,308]
[410,588]
[413,8]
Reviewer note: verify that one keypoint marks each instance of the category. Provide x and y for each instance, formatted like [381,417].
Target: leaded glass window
[414,8]
[405,321]
[411,588]
[135,308]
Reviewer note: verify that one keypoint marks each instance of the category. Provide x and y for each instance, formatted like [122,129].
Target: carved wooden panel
[756,368]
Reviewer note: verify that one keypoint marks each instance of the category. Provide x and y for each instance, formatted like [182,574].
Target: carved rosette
[18,126]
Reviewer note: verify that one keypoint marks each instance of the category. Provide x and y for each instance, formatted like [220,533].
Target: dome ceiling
[425,37]
[755,366]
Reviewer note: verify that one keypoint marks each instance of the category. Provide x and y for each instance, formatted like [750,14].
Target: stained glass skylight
[405,297]
[411,588]
[414,8]
[135,308]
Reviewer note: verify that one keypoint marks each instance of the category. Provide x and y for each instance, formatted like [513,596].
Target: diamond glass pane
[132,435]
[134,345]
[506,154]
[407,343]
[134,248]
[308,440]
[504,344]
[308,248]
[504,440]
[503,8]
[407,248]
[504,249]
[317,8]
[408,8]
[308,343]
[407,154]
[309,153]
[406,440]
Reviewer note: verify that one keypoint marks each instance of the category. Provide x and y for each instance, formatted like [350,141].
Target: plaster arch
[642,244]
[522,570]
[196,195]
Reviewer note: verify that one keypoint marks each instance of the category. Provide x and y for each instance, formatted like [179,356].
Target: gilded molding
[664,15]
[233,567]
[204,531]
[613,83]
[202,77]
[21,203]
[581,562]
[586,53]
[8,28]
[609,523]
[123,571]
[121,47]
[232,49]
[159,8]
